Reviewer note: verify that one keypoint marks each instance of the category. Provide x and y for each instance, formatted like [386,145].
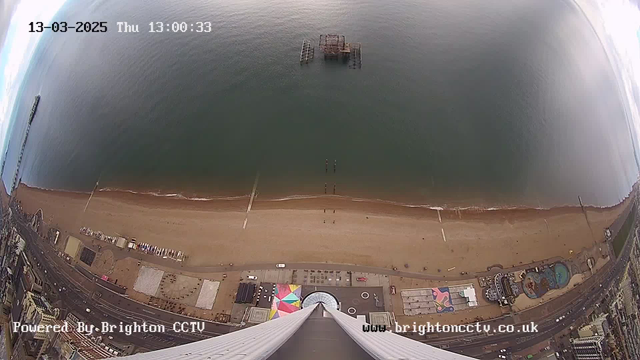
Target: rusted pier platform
[334,46]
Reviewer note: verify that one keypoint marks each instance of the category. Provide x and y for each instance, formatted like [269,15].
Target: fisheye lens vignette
[282,180]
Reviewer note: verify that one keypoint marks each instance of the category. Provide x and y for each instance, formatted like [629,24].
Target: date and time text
[121,27]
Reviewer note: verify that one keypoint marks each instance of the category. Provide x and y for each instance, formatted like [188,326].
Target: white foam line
[171,196]
[371,200]
[443,235]
[253,195]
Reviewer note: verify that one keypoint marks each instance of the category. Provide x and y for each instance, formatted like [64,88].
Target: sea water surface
[459,103]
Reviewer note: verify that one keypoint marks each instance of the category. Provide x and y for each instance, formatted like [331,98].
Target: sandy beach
[303,230]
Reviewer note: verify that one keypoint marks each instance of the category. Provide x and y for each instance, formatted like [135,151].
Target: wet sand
[364,233]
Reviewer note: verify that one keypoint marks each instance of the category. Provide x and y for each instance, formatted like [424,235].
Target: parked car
[252,277]
[392,289]
[362,279]
[280,265]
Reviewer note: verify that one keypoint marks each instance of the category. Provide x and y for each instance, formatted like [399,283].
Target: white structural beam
[261,341]
[253,343]
[387,345]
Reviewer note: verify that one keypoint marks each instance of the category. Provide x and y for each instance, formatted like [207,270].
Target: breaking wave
[295,197]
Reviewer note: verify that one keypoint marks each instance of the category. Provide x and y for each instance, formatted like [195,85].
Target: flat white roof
[207,295]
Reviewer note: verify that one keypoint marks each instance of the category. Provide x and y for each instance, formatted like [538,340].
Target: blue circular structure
[536,284]
[562,274]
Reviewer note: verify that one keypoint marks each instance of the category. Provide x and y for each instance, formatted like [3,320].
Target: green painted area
[621,237]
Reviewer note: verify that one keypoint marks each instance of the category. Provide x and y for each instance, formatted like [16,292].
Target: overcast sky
[617,23]
[7,6]
[18,45]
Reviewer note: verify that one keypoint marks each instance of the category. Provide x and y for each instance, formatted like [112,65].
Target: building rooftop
[84,345]
[40,303]
[588,339]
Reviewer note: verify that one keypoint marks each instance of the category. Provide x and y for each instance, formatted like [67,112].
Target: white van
[252,277]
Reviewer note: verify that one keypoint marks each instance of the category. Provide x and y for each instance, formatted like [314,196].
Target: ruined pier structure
[333,47]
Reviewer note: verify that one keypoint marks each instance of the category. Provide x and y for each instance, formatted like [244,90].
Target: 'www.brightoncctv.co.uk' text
[428,328]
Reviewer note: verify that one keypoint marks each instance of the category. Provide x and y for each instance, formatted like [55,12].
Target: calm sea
[487,103]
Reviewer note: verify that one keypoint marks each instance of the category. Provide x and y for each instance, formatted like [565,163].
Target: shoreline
[126,193]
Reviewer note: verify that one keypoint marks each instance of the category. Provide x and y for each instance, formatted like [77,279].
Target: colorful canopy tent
[285,301]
